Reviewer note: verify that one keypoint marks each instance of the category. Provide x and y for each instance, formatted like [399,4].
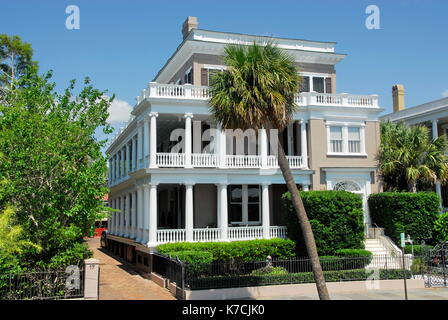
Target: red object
[98,232]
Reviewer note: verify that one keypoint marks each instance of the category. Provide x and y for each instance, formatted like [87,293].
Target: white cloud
[119,111]
[445,93]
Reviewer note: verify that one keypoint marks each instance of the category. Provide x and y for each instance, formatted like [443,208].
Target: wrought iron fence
[169,268]
[274,272]
[54,284]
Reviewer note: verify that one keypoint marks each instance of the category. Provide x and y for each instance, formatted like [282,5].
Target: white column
[134,154]
[146,213]
[304,144]
[122,216]
[152,215]
[139,214]
[146,137]
[127,226]
[362,137]
[435,130]
[153,140]
[221,134]
[123,163]
[265,211]
[435,135]
[223,214]
[345,139]
[133,212]
[188,117]
[111,226]
[290,137]
[218,207]
[139,143]
[128,157]
[189,211]
[263,147]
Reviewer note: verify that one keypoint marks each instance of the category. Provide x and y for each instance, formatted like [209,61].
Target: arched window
[347,186]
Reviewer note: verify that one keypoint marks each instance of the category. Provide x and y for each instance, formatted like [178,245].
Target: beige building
[176,175]
[433,114]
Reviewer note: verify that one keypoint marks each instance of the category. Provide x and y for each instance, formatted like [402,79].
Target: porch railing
[170,235]
[214,234]
[212,160]
[191,92]
[170,159]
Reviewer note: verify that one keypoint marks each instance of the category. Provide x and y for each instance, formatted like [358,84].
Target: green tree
[257,91]
[54,166]
[16,57]
[408,157]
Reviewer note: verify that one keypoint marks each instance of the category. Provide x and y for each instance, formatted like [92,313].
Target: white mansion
[197,187]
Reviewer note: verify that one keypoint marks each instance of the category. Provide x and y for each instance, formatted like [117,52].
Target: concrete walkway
[119,280]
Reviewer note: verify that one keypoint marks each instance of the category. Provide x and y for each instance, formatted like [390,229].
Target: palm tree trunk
[304,222]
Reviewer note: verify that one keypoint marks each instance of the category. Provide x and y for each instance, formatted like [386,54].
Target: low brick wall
[307,289]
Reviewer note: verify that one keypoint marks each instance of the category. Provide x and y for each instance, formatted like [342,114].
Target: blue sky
[121,45]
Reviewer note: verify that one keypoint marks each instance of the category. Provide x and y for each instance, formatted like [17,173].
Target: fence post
[91,279]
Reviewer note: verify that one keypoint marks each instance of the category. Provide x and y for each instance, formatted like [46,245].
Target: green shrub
[441,227]
[252,250]
[411,213]
[418,249]
[336,218]
[197,261]
[269,270]
[277,279]
[418,266]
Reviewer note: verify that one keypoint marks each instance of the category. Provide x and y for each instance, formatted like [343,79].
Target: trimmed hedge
[335,216]
[277,279]
[248,251]
[411,213]
[418,250]
[198,260]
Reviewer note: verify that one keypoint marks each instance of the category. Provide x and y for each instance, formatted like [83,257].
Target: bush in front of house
[248,251]
[411,213]
[289,278]
[441,228]
[335,216]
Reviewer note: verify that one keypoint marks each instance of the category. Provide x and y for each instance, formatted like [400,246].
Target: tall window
[354,140]
[336,139]
[236,204]
[318,84]
[244,204]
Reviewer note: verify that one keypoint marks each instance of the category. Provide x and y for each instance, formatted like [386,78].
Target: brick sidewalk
[119,281]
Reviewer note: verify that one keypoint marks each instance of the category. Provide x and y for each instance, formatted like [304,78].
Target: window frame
[345,139]
[245,205]
[311,76]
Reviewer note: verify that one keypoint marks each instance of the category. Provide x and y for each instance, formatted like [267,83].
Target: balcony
[190,92]
[206,160]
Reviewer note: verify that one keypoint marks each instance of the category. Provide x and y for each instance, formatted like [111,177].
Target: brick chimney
[189,24]
[398,97]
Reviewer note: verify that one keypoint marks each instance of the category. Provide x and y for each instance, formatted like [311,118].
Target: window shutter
[305,85]
[204,77]
[328,88]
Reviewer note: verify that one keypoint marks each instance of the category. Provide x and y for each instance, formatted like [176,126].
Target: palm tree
[407,155]
[257,91]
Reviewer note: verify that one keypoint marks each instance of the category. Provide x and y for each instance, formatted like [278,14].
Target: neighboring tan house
[169,191]
[433,115]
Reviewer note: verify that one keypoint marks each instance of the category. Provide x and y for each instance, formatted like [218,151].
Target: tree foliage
[55,170]
[408,157]
[16,58]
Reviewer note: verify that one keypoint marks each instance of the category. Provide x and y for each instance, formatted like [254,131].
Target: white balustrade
[243,161]
[170,159]
[188,91]
[272,162]
[204,160]
[295,162]
[214,234]
[278,232]
[206,234]
[170,235]
[245,233]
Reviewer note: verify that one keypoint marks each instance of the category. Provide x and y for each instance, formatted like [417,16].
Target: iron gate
[436,266]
